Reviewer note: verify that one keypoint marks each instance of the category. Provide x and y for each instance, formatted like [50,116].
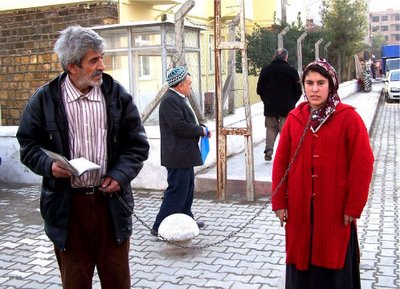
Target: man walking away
[279,89]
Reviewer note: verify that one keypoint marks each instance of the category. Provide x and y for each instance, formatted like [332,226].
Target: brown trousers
[273,125]
[91,243]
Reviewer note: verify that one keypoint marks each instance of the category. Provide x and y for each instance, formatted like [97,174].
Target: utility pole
[283,11]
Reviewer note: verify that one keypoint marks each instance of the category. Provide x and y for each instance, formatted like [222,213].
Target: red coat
[341,156]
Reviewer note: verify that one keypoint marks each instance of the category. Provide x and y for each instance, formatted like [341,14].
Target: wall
[131,12]
[153,175]
[22,4]
[27,38]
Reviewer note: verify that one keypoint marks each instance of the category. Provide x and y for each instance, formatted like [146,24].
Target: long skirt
[322,278]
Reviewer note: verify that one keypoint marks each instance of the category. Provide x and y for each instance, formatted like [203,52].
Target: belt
[85,190]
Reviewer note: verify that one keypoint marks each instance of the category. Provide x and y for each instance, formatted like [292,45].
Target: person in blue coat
[180,153]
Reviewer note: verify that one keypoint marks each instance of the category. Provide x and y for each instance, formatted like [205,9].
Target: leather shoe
[200,224]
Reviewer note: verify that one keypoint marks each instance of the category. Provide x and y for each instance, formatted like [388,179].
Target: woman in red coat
[326,187]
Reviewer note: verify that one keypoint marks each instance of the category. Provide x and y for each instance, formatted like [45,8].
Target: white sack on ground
[178,227]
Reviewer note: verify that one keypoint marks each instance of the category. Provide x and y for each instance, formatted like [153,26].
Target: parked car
[392,86]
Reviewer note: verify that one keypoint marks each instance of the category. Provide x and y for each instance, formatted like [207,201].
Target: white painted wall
[153,175]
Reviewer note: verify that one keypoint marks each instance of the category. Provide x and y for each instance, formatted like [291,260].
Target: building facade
[386,23]
[27,58]
[136,31]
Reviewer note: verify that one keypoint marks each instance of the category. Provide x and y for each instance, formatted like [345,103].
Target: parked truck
[390,61]
[390,58]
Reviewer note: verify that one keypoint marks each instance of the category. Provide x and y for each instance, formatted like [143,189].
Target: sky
[382,5]
[313,7]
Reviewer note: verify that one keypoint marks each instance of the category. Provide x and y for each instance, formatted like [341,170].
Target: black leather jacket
[279,88]
[44,124]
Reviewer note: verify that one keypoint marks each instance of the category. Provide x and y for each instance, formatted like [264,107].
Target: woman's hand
[282,215]
[348,219]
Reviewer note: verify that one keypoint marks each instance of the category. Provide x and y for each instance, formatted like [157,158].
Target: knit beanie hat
[176,75]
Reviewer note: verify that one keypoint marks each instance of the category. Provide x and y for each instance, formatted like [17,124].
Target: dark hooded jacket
[279,88]
[44,125]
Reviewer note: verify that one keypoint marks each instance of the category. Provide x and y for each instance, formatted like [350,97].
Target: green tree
[261,44]
[345,23]
[377,41]
[263,41]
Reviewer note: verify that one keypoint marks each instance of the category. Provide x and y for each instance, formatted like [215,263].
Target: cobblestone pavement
[253,258]
[378,229]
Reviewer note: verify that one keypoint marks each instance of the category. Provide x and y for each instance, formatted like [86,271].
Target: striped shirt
[87,126]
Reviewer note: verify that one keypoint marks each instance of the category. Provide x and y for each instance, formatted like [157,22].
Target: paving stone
[387,281]
[252,258]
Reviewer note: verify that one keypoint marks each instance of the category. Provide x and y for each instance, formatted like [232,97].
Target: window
[144,65]
[396,17]
[384,18]
[375,18]
[396,37]
[170,37]
[395,76]
[149,36]
[115,38]
[117,65]
[142,40]
[211,53]
[138,57]
[149,79]
[384,28]
[191,38]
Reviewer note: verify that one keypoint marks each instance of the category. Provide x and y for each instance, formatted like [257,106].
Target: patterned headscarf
[322,114]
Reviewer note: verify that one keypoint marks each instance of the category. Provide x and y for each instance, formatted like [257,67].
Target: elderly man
[85,113]
[180,133]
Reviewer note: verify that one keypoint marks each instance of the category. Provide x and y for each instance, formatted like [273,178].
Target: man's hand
[206,132]
[59,172]
[282,215]
[109,185]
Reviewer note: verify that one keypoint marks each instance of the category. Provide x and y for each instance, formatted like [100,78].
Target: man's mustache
[97,72]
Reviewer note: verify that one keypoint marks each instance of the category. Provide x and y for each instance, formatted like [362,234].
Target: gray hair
[73,44]
[281,54]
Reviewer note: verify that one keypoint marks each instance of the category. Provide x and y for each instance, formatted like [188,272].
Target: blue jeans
[178,197]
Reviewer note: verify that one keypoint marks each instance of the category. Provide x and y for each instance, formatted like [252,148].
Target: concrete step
[206,181]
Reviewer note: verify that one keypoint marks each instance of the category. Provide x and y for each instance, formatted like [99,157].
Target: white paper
[76,166]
